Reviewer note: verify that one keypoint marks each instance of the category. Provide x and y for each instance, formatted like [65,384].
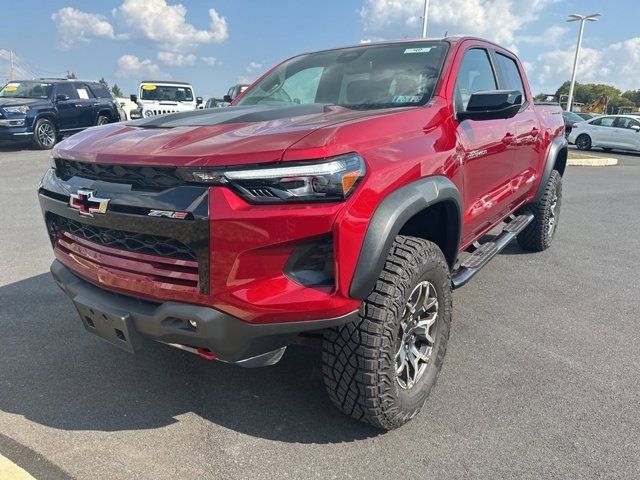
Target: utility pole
[424,18]
[11,65]
[575,18]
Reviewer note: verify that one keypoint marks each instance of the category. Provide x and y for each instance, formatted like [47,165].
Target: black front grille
[144,177]
[128,241]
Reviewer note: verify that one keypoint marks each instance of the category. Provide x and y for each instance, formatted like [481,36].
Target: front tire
[102,120]
[45,134]
[381,368]
[583,142]
[537,236]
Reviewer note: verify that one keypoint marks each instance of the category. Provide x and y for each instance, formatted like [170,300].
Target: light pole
[424,18]
[574,17]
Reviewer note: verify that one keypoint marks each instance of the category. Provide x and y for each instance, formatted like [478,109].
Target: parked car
[235,91]
[588,116]
[339,200]
[608,132]
[44,110]
[160,97]
[214,103]
[571,119]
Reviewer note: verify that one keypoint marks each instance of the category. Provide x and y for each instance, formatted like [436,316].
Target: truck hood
[12,102]
[210,137]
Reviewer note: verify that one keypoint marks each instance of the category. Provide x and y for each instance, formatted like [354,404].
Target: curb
[592,161]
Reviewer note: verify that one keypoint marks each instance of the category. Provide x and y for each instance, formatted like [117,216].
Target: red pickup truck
[340,200]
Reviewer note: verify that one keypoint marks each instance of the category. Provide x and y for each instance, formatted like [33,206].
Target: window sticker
[418,50]
[406,98]
[82,93]
[149,87]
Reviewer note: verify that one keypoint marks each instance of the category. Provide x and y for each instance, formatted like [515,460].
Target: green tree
[116,90]
[104,83]
[70,75]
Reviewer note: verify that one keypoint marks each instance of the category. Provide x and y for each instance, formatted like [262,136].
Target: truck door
[523,135]
[487,162]
[68,106]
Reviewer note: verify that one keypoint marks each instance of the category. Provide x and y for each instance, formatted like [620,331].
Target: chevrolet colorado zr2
[341,198]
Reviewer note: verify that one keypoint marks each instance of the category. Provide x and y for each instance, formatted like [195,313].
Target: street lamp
[424,18]
[574,17]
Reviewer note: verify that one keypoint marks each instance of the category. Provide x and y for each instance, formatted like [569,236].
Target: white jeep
[160,97]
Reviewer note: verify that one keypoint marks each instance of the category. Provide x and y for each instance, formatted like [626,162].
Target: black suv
[44,110]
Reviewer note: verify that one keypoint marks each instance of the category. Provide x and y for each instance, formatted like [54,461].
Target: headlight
[331,180]
[23,109]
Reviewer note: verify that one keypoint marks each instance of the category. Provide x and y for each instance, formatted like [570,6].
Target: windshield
[572,117]
[26,90]
[370,76]
[166,93]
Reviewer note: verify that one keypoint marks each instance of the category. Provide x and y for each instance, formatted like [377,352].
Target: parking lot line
[11,471]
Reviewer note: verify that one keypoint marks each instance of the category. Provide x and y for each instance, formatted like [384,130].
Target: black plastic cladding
[194,233]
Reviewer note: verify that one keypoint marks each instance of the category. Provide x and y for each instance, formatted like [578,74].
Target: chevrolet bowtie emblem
[87,203]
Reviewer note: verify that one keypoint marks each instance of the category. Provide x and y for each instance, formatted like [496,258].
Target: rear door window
[100,91]
[604,121]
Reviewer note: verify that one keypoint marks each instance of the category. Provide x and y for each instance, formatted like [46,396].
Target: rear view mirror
[227,98]
[492,105]
[198,100]
[635,127]
[133,97]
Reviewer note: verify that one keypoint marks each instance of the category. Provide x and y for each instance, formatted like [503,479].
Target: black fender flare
[557,145]
[390,216]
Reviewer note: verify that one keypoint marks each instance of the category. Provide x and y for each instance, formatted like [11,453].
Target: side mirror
[635,127]
[62,98]
[133,97]
[492,105]
[227,98]
[198,100]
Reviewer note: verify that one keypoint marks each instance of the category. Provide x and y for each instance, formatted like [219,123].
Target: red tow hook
[206,354]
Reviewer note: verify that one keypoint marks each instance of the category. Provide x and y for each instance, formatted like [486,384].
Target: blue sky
[217,43]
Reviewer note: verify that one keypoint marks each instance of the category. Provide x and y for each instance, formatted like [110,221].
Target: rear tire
[537,236]
[45,134]
[102,120]
[381,368]
[583,142]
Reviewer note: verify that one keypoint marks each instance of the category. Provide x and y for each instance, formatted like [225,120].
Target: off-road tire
[537,236]
[102,120]
[359,358]
[42,140]
[583,142]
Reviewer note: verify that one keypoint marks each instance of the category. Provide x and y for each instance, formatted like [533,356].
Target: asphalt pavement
[541,378]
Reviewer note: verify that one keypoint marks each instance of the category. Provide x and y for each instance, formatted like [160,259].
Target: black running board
[485,252]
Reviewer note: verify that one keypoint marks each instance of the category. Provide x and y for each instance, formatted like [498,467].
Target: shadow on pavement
[54,373]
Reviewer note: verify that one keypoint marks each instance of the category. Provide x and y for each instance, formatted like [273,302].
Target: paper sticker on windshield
[406,98]
[417,50]
[149,87]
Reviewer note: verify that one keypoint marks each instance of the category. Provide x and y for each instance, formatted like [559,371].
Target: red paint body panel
[250,244]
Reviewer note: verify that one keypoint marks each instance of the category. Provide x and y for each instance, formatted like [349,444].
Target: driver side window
[475,75]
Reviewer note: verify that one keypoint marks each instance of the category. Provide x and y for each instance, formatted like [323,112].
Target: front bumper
[17,133]
[228,338]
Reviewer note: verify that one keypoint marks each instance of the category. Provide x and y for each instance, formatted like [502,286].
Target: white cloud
[497,20]
[167,26]
[130,66]
[254,67]
[550,36]
[75,26]
[211,61]
[177,59]
[616,64]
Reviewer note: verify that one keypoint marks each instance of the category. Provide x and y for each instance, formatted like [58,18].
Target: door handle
[507,139]
[79,105]
[535,132]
